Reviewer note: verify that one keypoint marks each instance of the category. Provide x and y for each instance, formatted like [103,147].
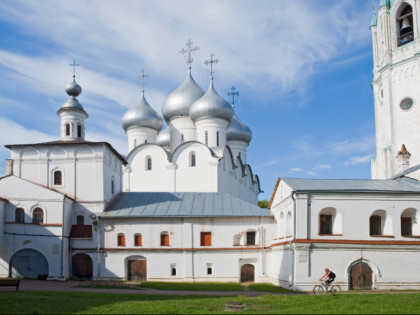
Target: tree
[263,203]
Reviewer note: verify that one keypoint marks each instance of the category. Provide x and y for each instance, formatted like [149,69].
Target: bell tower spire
[72,112]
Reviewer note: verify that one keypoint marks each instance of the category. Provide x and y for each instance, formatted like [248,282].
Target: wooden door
[82,266]
[137,270]
[361,277]
[247,273]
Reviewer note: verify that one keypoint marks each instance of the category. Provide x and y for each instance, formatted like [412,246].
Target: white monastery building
[182,205]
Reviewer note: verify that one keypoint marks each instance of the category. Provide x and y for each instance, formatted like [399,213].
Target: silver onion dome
[73,90]
[238,131]
[163,139]
[142,115]
[178,103]
[211,105]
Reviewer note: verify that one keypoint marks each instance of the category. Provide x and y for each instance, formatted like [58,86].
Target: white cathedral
[182,206]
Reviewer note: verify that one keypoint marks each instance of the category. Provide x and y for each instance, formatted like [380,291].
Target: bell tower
[396,81]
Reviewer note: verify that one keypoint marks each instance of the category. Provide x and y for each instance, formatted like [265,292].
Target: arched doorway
[361,277]
[82,266]
[137,268]
[247,273]
[28,263]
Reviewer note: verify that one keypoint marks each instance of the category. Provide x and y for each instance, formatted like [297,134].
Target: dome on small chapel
[238,131]
[142,115]
[178,103]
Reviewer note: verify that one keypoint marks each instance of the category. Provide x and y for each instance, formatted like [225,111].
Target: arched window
[206,138]
[67,129]
[138,241]
[148,163]
[135,142]
[37,216]
[409,226]
[121,239]
[19,215]
[289,224]
[182,138]
[164,239]
[79,131]
[80,220]
[217,138]
[192,159]
[375,223]
[281,226]
[112,185]
[58,178]
[330,222]
[405,31]
[145,140]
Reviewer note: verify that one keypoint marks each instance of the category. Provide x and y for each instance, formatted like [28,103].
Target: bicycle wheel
[318,290]
[335,289]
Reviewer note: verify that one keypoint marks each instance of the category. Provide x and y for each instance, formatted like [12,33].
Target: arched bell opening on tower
[405,24]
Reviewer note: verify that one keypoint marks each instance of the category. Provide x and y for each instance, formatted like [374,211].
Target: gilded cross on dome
[142,77]
[74,65]
[232,94]
[188,51]
[211,62]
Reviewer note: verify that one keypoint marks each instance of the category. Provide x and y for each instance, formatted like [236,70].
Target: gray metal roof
[183,204]
[349,185]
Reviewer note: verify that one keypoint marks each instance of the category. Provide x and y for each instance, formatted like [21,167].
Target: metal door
[82,266]
[28,263]
[247,273]
[361,277]
[137,270]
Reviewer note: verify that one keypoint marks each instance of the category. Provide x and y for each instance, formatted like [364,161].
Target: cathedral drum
[28,263]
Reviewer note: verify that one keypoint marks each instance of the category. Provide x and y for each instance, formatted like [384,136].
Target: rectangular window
[164,240]
[173,269]
[206,138]
[250,238]
[375,225]
[209,268]
[80,220]
[205,239]
[19,215]
[406,224]
[325,225]
[217,138]
[121,240]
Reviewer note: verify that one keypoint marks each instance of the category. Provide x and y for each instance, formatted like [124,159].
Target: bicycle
[322,289]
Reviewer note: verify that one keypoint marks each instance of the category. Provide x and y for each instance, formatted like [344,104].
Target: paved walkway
[70,286]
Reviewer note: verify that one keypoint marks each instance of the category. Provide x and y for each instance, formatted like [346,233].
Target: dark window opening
[149,164]
[217,138]
[38,216]
[406,226]
[405,26]
[67,129]
[79,131]
[173,271]
[209,271]
[193,160]
[250,238]
[325,224]
[19,215]
[112,185]
[375,225]
[80,220]
[58,178]
[206,140]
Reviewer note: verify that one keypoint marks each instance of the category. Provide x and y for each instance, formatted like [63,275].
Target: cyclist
[328,277]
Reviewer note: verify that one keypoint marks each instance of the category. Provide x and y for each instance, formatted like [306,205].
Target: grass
[193,286]
[268,287]
[27,302]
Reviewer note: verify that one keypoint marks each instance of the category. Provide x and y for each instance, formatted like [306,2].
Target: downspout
[62,238]
[262,249]
[98,244]
[192,251]
[292,282]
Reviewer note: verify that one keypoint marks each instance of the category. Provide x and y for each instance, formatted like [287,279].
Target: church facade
[182,205]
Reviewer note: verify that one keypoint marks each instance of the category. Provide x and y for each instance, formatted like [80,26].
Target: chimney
[9,167]
[403,159]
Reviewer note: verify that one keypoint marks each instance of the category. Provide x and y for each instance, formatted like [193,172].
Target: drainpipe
[62,238]
[95,219]
[292,282]
[192,251]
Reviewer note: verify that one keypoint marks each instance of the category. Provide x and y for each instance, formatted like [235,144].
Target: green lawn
[112,303]
[193,286]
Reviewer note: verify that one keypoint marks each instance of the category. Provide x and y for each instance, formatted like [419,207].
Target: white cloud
[296,170]
[364,159]
[321,167]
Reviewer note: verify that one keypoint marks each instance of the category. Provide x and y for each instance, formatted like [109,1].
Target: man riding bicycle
[328,277]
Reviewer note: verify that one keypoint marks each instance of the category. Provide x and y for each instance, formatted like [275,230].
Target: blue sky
[303,70]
